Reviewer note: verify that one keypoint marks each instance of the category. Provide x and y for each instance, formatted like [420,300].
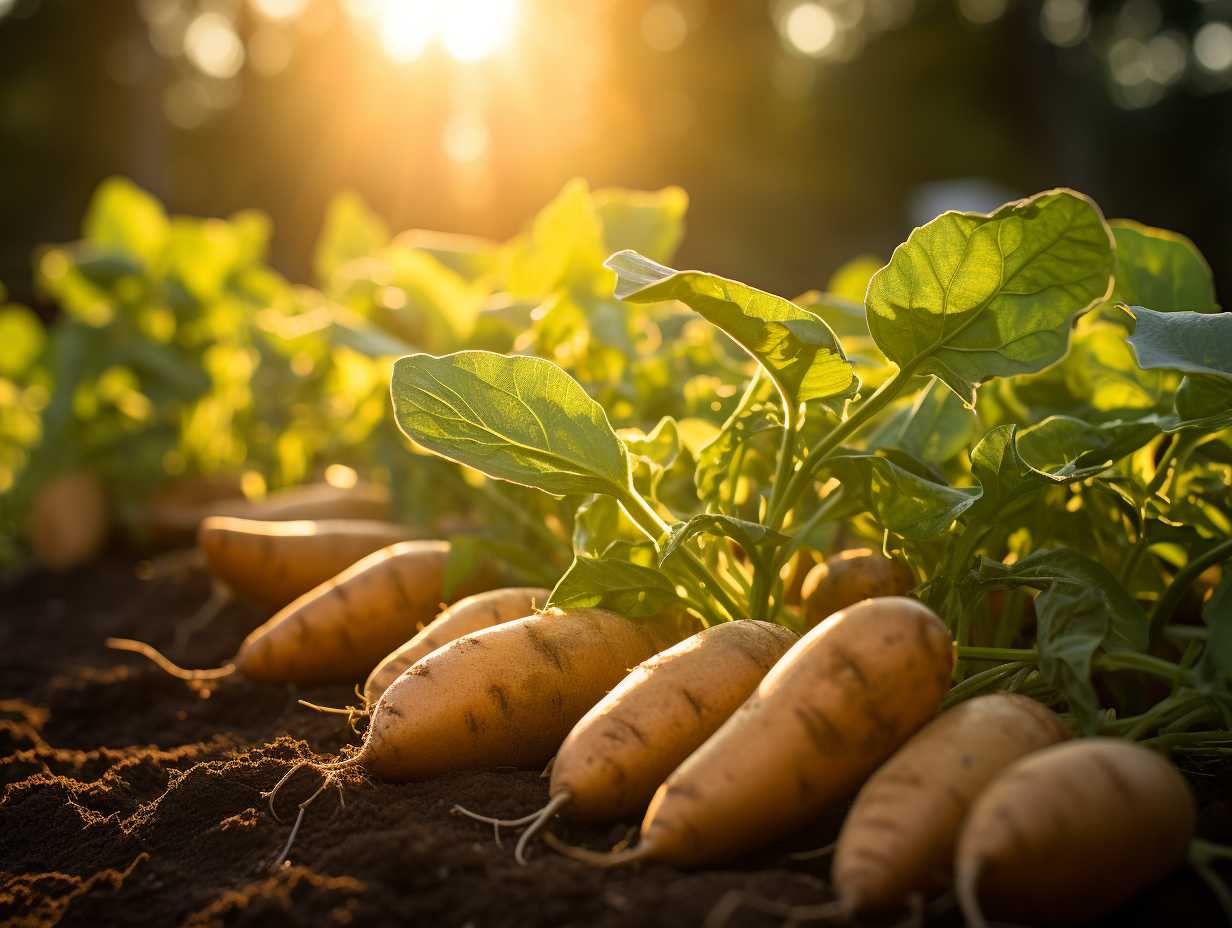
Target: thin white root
[140,647]
[966,889]
[814,854]
[303,807]
[277,786]
[519,853]
[499,822]
[595,858]
[349,711]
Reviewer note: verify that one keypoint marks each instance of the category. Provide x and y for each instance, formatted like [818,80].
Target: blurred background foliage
[811,136]
[805,131]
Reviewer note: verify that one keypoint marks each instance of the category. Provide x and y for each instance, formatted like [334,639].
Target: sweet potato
[900,834]
[337,632]
[826,716]
[507,695]
[273,563]
[1066,835]
[483,610]
[848,577]
[614,759]
[68,520]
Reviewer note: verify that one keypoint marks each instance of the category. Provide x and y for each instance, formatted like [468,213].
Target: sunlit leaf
[609,583]
[351,230]
[519,419]
[650,223]
[599,522]
[123,219]
[797,349]
[22,339]
[1161,269]
[969,296]
[1062,441]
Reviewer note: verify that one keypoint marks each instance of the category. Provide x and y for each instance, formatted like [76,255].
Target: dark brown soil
[132,798]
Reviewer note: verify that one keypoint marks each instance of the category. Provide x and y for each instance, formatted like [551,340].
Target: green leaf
[851,280]
[799,352]
[904,502]
[1203,401]
[659,448]
[751,536]
[1066,443]
[1160,269]
[968,297]
[1080,609]
[1195,343]
[599,522]
[1004,477]
[22,339]
[564,242]
[608,583]
[514,418]
[651,223]
[934,428]
[125,221]
[351,230]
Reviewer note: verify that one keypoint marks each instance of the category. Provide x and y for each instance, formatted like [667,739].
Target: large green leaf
[906,503]
[1080,609]
[124,220]
[1202,401]
[750,535]
[515,418]
[1196,343]
[1063,443]
[1161,269]
[968,296]
[610,583]
[796,347]
[651,223]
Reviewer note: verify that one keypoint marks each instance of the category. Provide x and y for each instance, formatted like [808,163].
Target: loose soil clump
[133,798]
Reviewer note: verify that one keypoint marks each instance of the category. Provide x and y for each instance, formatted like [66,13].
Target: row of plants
[1028,412]
[1058,523]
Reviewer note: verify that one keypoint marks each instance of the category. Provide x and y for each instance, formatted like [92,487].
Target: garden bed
[131,798]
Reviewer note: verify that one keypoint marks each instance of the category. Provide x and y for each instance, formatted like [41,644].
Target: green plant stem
[1024,655]
[1158,717]
[797,539]
[1177,739]
[1192,650]
[648,520]
[977,682]
[1133,660]
[805,474]
[1181,583]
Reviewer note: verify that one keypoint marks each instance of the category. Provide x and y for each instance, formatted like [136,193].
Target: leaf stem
[869,408]
[1161,469]
[650,523]
[1180,585]
[977,682]
[1133,660]
[1024,655]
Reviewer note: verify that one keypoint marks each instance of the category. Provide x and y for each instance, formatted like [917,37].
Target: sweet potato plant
[1031,408]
